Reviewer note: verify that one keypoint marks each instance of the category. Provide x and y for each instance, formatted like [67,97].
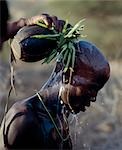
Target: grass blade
[74,28]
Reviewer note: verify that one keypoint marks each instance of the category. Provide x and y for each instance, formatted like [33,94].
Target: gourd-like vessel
[27,48]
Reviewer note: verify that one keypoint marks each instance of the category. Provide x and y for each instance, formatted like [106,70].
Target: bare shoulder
[20,111]
[20,108]
[19,122]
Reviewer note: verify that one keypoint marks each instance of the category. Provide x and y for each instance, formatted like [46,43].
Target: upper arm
[19,126]
[21,131]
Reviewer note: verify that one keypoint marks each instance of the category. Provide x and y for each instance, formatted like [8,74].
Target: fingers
[58,24]
[61,25]
[44,18]
[55,22]
[48,20]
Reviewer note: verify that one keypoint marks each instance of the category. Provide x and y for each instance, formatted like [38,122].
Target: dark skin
[28,126]
[26,117]
[91,71]
[27,120]
[13,27]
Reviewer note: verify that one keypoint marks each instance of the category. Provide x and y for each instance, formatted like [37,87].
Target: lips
[78,109]
[80,103]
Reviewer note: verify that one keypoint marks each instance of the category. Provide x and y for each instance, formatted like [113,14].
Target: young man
[39,122]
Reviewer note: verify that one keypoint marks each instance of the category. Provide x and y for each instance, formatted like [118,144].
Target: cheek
[67,91]
[71,92]
[78,91]
[76,101]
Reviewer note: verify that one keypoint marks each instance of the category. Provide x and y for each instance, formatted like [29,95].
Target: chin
[76,110]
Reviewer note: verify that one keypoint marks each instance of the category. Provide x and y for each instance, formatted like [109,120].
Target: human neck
[50,98]
[50,93]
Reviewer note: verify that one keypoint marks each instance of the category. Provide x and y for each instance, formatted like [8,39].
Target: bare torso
[28,126]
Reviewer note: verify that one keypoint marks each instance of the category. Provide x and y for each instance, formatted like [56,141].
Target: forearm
[13,27]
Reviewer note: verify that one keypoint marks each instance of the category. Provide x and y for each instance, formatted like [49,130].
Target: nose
[93,99]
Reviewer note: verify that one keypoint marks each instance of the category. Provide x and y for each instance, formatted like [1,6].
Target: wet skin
[91,72]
